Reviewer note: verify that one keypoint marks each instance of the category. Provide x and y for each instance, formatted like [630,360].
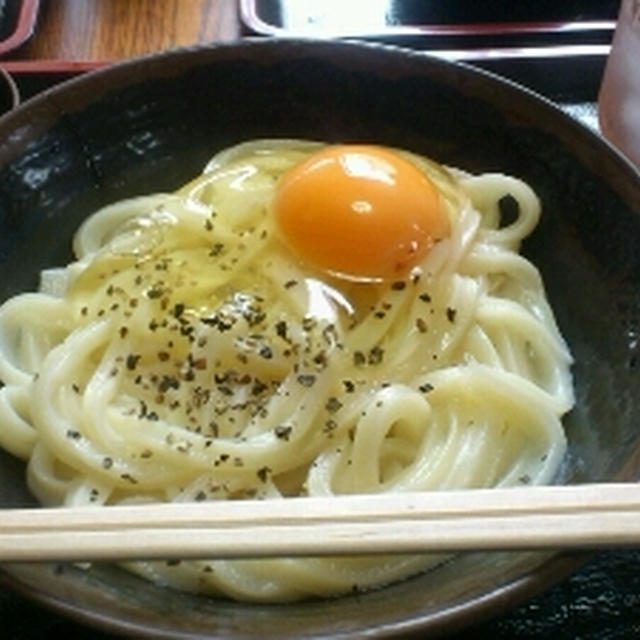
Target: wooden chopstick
[521,518]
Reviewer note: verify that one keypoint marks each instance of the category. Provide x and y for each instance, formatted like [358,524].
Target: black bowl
[152,124]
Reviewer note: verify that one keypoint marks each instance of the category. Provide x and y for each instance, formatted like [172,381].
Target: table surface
[109,30]
[602,600]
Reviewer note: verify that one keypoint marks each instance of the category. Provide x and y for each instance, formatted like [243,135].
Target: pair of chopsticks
[522,518]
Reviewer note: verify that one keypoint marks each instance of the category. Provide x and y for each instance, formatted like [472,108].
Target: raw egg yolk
[359,211]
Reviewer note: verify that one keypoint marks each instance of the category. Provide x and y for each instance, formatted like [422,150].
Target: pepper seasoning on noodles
[215,343]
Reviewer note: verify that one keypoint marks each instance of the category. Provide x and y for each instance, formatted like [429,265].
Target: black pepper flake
[222,324]
[330,426]
[163,356]
[129,478]
[168,382]
[173,563]
[349,386]
[451,314]
[376,355]
[266,352]
[281,329]
[425,297]
[333,404]
[72,434]
[216,249]
[421,325]
[321,359]
[359,358]
[132,361]
[399,285]
[283,432]
[306,379]
[263,473]
[308,323]
[84,311]
[123,331]
[75,387]
[290,283]
[162,265]
[330,335]
[183,447]
[201,496]
[254,316]
[107,463]
[155,292]
[221,378]
[178,309]
[426,387]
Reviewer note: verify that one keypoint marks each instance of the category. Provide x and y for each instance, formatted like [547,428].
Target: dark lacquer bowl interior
[151,124]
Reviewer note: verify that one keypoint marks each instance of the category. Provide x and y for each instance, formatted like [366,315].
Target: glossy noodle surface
[192,353]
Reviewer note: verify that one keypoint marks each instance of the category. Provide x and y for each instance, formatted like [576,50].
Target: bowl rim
[460,617]
[84,88]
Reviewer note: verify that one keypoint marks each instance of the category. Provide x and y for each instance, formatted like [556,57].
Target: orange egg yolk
[359,211]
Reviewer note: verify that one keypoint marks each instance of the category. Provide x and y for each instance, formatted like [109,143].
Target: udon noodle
[187,355]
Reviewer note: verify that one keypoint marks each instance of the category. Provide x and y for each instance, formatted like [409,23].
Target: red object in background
[17,23]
